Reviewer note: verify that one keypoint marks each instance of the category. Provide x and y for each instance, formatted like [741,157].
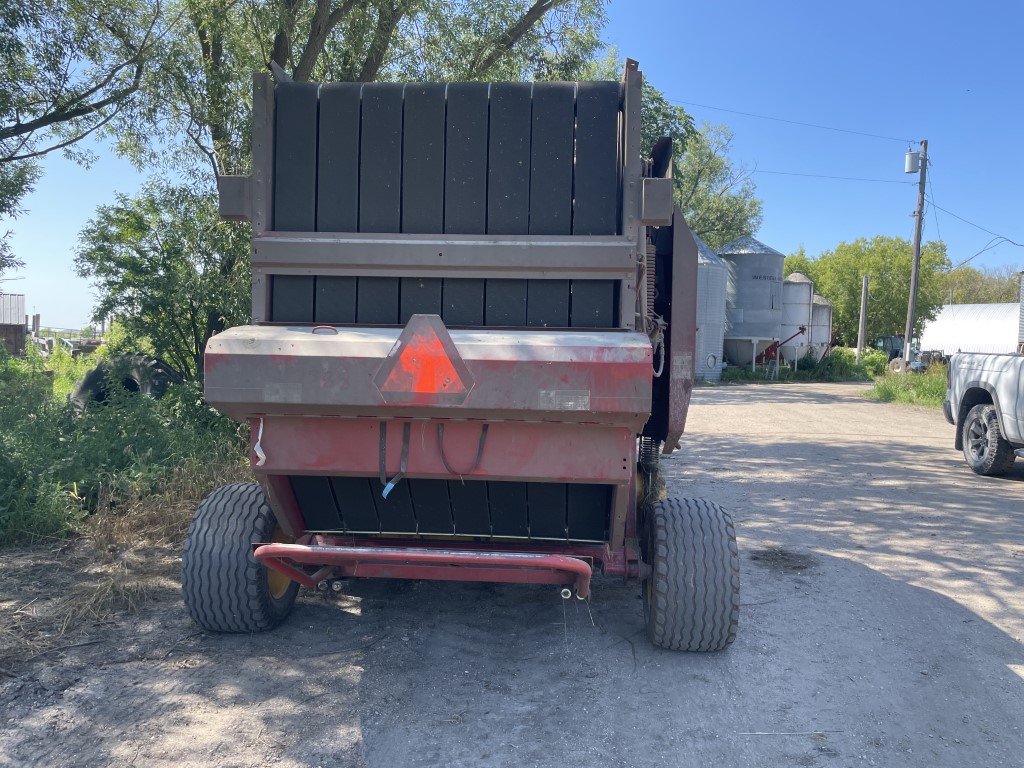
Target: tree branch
[324,21]
[488,55]
[387,20]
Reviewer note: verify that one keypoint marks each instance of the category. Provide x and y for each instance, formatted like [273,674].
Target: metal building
[797,299]
[12,322]
[753,298]
[973,328]
[821,325]
[711,278]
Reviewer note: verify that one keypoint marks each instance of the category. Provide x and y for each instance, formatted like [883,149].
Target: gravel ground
[881,624]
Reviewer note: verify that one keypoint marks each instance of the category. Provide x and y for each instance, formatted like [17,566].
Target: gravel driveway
[882,613]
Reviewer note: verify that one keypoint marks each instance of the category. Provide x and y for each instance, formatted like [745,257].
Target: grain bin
[711,278]
[821,325]
[797,297]
[753,298]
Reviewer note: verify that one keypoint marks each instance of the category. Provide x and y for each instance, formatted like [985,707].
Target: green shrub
[56,465]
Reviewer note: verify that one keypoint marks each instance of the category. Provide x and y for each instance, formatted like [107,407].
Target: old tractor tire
[692,596]
[224,587]
[985,450]
[134,373]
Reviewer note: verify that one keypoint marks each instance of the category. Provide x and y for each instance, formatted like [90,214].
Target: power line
[793,122]
[988,247]
[976,226]
[844,178]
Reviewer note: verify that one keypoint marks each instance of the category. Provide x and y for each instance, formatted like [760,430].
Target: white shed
[973,328]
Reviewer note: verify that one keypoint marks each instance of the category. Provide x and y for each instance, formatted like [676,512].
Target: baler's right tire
[692,596]
[985,450]
[225,588]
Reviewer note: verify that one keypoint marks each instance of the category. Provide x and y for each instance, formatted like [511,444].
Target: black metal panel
[316,502]
[463,301]
[337,198]
[377,302]
[552,159]
[465,180]
[291,299]
[432,506]
[295,157]
[596,184]
[547,303]
[589,509]
[508,503]
[395,512]
[355,498]
[419,296]
[423,158]
[547,503]
[505,303]
[593,304]
[508,167]
[335,300]
[380,158]
[469,507]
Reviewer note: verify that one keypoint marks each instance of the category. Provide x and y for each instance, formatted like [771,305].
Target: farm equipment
[472,339]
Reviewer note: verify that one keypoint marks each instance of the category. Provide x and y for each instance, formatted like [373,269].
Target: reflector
[424,366]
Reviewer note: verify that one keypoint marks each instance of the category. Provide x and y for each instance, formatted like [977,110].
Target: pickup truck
[985,400]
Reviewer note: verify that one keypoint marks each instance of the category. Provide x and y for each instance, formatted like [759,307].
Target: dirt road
[883,611]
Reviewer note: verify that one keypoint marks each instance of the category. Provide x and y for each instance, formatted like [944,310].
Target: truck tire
[985,450]
[224,587]
[692,596]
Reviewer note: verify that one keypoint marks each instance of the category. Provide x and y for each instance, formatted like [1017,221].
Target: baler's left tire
[692,596]
[225,588]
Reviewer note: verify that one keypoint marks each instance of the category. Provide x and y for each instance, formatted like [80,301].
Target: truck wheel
[225,588]
[985,450]
[692,596]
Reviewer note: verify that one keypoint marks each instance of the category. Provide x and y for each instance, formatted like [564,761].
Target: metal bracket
[235,197]
[656,202]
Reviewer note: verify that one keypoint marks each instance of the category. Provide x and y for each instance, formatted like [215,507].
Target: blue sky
[943,71]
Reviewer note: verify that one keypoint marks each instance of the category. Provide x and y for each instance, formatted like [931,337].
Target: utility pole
[915,270]
[862,327]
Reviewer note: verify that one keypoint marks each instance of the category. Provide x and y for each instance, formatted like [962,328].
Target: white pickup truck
[985,399]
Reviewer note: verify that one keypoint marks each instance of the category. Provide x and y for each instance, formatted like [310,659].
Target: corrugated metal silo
[753,298]
[1020,332]
[797,297]
[821,325]
[711,273]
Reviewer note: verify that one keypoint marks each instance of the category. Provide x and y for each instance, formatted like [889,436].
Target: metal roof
[797,277]
[743,245]
[12,309]
[706,254]
[973,328]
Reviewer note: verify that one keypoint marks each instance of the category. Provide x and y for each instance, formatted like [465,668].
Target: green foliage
[168,270]
[56,466]
[875,362]
[716,198]
[837,275]
[927,389]
[194,107]
[69,67]
[997,285]
[840,364]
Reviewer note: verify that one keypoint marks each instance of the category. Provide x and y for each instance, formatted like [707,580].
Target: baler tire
[224,587]
[692,596]
[985,450]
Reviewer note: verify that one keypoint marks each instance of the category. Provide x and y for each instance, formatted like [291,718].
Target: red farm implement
[472,338]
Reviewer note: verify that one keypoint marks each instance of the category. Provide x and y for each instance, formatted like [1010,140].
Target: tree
[716,198]
[69,67]
[168,270]
[196,102]
[837,275]
[967,285]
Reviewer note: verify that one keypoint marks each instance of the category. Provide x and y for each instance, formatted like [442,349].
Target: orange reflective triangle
[423,367]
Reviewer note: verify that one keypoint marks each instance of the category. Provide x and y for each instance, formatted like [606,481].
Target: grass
[94,505]
[926,389]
